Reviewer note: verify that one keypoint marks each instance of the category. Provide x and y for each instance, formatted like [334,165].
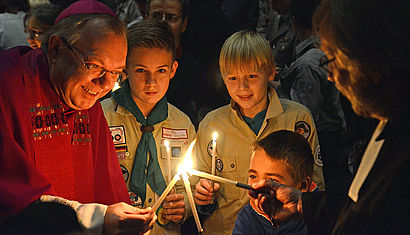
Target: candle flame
[214,136]
[187,163]
[166,143]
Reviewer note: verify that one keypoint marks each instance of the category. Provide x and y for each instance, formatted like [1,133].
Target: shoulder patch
[209,148]
[174,133]
[303,128]
[317,156]
[135,199]
[118,134]
[219,165]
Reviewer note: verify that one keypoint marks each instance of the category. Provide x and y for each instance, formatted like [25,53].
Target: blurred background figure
[306,81]
[11,23]
[65,3]
[275,23]
[129,11]
[37,21]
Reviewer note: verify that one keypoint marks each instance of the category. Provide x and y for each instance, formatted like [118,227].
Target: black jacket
[383,206]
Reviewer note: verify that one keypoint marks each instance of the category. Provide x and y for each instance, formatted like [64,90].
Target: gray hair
[71,27]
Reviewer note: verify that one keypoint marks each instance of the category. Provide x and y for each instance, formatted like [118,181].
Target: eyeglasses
[93,69]
[325,63]
[33,33]
[167,17]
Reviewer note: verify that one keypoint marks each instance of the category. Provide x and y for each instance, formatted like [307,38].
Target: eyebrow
[268,174]
[273,174]
[161,66]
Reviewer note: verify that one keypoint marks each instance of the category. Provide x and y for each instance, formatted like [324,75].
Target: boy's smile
[149,70]
[249,90]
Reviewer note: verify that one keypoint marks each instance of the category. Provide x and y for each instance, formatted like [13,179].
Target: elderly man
[376,80]
[55,143]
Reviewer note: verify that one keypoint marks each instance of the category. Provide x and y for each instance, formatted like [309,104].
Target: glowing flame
[166,143]
[214,136]
[187,163]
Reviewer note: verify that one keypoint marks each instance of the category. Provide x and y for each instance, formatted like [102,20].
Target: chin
[82,105]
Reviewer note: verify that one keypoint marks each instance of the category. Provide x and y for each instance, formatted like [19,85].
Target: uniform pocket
[230,171]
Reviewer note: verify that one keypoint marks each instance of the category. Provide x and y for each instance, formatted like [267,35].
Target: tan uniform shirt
[126,134]
[234,148]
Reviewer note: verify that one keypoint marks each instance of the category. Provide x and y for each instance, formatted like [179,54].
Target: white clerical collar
[368,160]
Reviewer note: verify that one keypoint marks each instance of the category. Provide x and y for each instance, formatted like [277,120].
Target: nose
[150,79]
[243,83]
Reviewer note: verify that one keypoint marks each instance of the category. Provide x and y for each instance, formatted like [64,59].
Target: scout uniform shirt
[126,134]
[234,148]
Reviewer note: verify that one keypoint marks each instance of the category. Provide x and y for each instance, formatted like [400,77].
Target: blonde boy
[141,120]
[247,66]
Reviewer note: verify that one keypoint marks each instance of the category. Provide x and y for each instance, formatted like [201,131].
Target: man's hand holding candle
[280,202]
[174,207]
[122,218]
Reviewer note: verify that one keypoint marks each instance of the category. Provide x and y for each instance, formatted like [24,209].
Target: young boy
[141,120]
[285,157]
[247,66]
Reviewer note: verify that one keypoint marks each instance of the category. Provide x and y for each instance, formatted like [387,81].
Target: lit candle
[213,153]
[191,202]
[168,149]
[219,179]
[165,193]
[183,167]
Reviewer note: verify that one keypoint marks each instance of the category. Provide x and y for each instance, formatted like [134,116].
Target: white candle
[191,202]
[165,193]
[213,153]
[168,149]
[219,179]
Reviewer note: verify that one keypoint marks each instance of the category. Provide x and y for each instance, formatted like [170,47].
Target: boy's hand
[174,207]
[121,218]
[283,203]
[204,192]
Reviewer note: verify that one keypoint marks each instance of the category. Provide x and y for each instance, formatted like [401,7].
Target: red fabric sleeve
[20,182]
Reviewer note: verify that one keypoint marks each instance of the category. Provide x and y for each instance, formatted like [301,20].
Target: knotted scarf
[141,172]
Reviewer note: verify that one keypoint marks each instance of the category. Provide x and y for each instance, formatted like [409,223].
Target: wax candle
[168,150]
[165,193]
[191,202]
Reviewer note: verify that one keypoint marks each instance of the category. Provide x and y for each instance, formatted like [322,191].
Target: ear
[173,69]
[305,184]
[54,46]
[184,24]
[272,76]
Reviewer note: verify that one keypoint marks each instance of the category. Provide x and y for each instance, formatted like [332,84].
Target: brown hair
[151,34]
[292,149]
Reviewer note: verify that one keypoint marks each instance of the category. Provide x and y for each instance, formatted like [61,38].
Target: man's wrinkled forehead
[96,29]
[168,6]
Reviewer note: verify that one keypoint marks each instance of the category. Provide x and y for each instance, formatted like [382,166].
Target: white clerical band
[368,160]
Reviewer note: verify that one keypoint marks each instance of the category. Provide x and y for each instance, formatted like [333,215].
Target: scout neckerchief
[255,123]
[141,173]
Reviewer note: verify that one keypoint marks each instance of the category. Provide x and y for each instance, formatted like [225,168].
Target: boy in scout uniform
[141,121]
[247,66]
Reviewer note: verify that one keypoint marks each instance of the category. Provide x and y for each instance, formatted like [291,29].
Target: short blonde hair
[246,51]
